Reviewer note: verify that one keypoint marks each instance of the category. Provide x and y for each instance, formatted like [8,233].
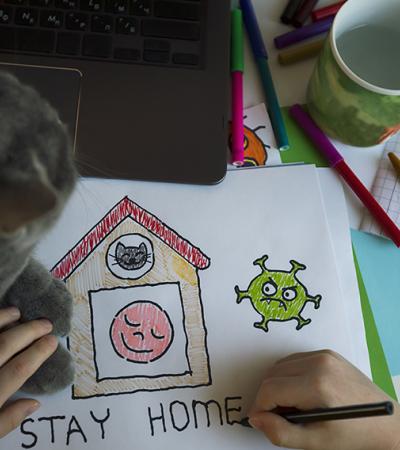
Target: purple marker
[316,135]
[287,39]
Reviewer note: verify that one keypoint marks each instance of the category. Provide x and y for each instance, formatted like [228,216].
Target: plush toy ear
[21,203]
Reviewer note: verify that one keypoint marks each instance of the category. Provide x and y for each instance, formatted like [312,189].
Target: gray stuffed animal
[37,176]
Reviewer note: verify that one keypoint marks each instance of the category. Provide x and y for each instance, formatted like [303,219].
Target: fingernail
[47,325]
[33,408]
[255,423]
[14,312]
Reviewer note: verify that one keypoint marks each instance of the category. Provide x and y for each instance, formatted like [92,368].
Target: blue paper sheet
[379,261]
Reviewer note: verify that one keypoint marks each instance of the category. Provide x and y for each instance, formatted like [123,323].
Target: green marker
[237,47]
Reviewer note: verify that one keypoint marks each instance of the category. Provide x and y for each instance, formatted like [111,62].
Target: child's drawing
[138,320]
[255,150]
[259,141]
[278,295]
[141,332]
[130,256]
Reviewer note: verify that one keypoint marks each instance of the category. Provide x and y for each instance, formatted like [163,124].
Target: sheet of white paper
[338,222]
[274,212]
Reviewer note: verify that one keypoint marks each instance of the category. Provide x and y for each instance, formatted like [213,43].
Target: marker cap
[237,53]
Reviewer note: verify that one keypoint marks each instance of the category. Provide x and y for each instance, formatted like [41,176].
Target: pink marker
[237,69]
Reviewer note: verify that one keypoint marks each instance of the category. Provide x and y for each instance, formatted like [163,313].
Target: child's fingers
[306,355]
[13,414]
[281,391]
[288,369]
[281,432]
[21,336]
[293,392]
[8,316]
[303,363]
[14,374]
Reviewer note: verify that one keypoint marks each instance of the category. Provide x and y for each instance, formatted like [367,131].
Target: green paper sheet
[301,148]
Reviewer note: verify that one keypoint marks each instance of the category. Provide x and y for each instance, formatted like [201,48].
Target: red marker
[327,11]
[336,161]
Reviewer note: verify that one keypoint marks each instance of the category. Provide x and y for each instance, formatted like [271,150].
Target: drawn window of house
[130,256]
[151,342]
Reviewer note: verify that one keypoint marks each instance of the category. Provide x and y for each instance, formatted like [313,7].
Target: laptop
[143,85]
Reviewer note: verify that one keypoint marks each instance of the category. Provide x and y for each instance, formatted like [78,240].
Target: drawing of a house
[138,321]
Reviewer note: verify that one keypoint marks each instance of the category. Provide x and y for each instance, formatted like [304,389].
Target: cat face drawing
[130,256]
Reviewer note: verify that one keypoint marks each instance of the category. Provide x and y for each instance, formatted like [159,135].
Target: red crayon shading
[141,332]
[128,208]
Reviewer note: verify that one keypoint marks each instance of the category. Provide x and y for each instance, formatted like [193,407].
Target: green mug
[354,92]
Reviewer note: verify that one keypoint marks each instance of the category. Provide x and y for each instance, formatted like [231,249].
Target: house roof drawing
[124,209]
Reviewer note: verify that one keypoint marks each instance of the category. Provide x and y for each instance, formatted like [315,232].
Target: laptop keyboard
[155,32]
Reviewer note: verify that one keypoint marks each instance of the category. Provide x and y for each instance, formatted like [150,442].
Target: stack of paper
[184,295]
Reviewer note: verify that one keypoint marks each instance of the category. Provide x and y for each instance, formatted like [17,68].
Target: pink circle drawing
[141,332]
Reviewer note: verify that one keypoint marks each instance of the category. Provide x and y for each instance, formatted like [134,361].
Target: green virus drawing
[278,295]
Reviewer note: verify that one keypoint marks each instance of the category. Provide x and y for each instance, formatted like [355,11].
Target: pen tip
[245,423]
[389,408]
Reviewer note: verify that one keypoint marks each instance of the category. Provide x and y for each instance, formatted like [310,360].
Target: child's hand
[23,349]
[318,380]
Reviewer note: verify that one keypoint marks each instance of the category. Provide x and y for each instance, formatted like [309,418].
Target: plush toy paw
[39,295]
[55,374]
[56,305]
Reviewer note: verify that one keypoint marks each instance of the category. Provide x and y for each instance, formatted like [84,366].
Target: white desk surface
[291,82]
